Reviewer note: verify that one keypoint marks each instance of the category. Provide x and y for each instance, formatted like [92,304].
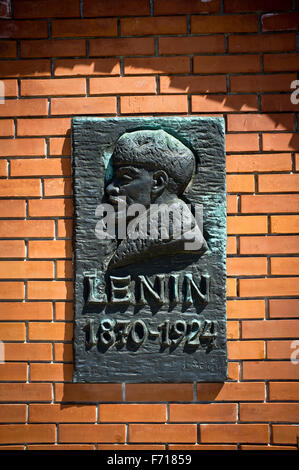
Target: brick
[27,228]
[88,393]
[117,8]
[249,433]
[285,224]
[25,68]
[12,29]
[192,84]
[283,391]
[269,245]
[56,9]
[132,413]
[153,26]
[240,183]
[26,269]
[57,372]
[232,326]
[260,412]
[223,103]
[275,287]
[233,371]
[203,413]
[10,88]
[22,147]
[281,62]
[11,290]
[60,146]
[53,48]
[40,167]
[7,128]
[122,85]
[239,350]
[64,270]
[159,392]
[3,168]
[46,331]
[84,27]
[121,46]
[284,266]
[25,107]
[284,434]
[65,228]
[86,67]
[27,433]
[28,352]
[280,21]
[61,414]
[261,83]
[10,447]
[231,246]
[285,141]
[258,163]
[245,309]
[192,45]
[256,5]
[230,391]
[201,447]
[260,447]
[26,311]
[43,127]
[279,349]
[162,433]
[242,142]
[56,290]
[58,187]
[153,104]
[103,105]
[156,65]
[260,122]
[8,49]
[224,24]
[20,188]
[270,370]
[12,249]
[270,329]
[14,372]
[278,102]
[61,447]
[247,224]
[246,266]
[64,311]
[50,208]
[168,7]
[297,161]
[49,249]
[273,203]
[63,352]
[226,63]
[232,204]
[262,43]
[25,392]
[279,308]
[53,87]
[92,433]
[13,413]
[12,331]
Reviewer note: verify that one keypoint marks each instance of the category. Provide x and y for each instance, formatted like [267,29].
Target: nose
[112,189]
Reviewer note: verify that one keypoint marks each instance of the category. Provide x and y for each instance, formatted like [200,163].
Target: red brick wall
[69,57]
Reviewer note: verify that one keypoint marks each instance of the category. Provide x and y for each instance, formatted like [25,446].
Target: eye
[126,178]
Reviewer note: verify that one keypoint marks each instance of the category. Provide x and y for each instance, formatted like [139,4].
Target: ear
[160,181]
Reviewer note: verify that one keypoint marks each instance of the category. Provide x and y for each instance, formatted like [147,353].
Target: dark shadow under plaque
[150,300]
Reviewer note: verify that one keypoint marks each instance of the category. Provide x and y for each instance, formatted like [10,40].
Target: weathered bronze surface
[149,306]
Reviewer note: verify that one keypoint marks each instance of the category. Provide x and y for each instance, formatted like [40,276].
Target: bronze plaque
[149,249]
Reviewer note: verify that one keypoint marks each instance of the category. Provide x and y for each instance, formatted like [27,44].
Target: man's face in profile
[131,182]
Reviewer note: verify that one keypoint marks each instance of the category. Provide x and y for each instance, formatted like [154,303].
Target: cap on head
[156,150]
